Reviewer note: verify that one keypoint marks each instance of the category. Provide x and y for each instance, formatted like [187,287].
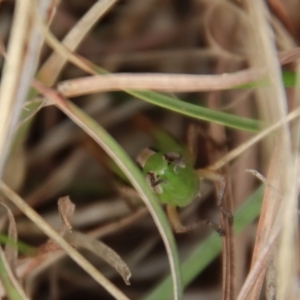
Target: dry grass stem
[141,74]
[78,258]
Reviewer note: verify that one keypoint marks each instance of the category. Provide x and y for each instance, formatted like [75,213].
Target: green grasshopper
[170,174]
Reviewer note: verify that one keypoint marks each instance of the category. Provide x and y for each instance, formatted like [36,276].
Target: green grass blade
[20,246]
[197,112]
[11,291]
[288,80]
[189,109]
[124,162]
[208,250]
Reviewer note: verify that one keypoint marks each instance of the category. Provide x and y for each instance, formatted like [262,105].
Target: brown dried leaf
[78,239]
[66,209]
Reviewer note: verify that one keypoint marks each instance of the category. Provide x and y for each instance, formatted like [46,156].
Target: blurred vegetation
[52,157]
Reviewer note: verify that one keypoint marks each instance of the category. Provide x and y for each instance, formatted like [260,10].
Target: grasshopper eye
[154,182]
[176,159]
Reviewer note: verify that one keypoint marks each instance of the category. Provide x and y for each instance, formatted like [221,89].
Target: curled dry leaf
[66,209]
[78,239]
